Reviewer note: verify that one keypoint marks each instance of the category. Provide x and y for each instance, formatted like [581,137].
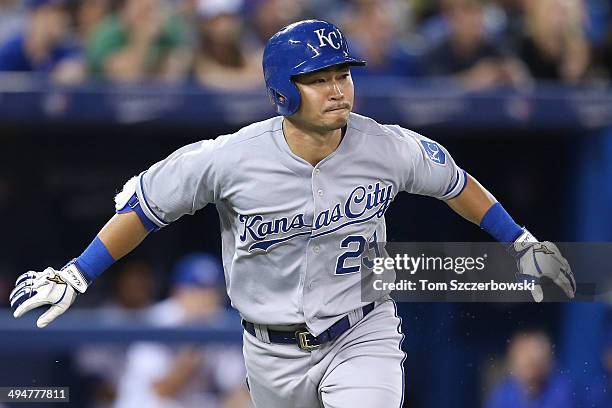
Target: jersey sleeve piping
[457,186]
[146,207]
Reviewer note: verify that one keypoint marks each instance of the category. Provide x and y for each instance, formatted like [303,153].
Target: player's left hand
[542,259]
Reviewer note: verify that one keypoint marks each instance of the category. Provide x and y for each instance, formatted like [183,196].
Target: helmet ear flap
[276,97]
[279,96]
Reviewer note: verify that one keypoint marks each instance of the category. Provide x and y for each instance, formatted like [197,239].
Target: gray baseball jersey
[295,237]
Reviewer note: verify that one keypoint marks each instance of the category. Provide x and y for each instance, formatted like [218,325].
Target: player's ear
[276,96]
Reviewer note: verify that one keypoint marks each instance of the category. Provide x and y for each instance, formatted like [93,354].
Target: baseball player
[301,199]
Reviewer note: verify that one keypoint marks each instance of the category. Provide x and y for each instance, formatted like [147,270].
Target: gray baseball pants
[361,368]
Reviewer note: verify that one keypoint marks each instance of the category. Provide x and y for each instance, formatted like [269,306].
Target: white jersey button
[320,193]
[317,171]
[316,249]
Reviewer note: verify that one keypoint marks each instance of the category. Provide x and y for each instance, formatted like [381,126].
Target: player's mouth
[338,108]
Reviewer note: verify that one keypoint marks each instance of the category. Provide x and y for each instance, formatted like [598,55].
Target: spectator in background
[269,16]
[372,27]
[142,41]
[44,45]
[468,55]
[222,60]
[211,376]
[434,27]
[553,44]
[12,18]
[532,382]
[88,15]
[133,292]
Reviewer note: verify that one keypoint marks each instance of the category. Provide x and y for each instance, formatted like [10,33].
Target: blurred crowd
[165,375]
[218,43]
[532,378]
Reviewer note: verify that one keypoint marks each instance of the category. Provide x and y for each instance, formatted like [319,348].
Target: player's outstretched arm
[181,184]
[473,202]
[122,234]
[534,259]
[58,288]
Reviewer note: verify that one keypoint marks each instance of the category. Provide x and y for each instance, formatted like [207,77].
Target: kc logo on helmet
[333,38]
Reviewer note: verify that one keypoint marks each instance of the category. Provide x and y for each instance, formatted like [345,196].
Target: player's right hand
[49,287]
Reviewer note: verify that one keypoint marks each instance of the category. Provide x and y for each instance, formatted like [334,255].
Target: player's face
[326,98]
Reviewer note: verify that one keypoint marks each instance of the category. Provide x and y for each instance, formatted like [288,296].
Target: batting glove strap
[522,243]
[73,276]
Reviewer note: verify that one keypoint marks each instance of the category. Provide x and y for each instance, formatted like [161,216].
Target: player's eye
[318,81]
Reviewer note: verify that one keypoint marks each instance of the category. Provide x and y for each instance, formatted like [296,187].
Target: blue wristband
[500,224]
[94,260]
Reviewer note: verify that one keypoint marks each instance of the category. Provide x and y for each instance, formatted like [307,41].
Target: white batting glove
[537,259]
[49,287]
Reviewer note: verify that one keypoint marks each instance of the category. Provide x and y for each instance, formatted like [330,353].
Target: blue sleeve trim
[458,185]
[146,222]
[94,260]
[465,181]
[451,188]
[146,208]
[500,225]
[133,204]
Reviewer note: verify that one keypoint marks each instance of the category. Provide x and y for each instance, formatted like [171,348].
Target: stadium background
[543,146]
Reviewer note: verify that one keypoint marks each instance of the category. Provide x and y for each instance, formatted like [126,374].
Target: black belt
[303,338]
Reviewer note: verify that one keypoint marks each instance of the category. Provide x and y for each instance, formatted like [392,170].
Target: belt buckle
[304,341]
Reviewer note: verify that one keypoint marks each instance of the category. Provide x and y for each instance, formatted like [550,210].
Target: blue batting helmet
[299,48]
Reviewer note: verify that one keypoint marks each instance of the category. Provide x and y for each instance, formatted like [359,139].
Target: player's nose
[336,92]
